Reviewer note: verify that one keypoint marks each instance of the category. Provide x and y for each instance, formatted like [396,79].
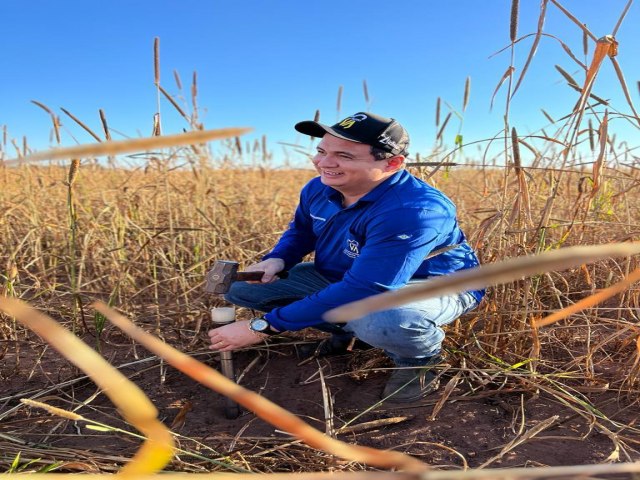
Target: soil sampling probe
[218,281]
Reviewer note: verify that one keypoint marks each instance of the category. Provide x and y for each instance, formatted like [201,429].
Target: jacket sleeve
[395,246]
[299,239]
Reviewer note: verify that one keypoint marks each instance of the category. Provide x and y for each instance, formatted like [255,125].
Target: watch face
[259,325]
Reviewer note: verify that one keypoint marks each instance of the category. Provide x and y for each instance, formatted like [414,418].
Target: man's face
[347,166]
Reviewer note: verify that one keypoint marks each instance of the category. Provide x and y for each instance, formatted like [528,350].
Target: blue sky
[268,64]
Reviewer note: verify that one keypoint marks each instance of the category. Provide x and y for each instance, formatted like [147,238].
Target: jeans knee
[243,294]
[400,332]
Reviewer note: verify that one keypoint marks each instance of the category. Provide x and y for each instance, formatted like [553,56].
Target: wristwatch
[262,326]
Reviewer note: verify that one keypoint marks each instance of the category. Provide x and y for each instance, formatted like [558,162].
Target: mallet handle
[249,276]
[256,276]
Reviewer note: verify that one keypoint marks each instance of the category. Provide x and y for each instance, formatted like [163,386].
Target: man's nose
[326,161]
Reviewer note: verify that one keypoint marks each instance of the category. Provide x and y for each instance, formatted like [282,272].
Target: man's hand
[233,336]
[271,267]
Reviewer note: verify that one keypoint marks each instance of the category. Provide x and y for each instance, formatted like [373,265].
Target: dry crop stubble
[145,237]
[235,224]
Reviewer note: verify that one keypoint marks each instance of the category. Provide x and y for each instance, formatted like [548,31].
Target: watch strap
[268,332]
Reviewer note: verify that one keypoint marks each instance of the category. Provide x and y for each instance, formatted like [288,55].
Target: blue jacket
[377,244]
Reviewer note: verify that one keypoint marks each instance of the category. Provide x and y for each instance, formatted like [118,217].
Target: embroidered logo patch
[350,121]
[353,249]
[404,236]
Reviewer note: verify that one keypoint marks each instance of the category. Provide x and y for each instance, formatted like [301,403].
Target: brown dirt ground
[469,427]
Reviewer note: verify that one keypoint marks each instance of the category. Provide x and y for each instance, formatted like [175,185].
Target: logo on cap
[351,121]
[385,139]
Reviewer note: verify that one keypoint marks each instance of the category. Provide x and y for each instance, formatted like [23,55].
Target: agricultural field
[142,240]
[544,373]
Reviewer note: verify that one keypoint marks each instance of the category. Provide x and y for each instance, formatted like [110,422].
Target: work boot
[332,346]
[410,384]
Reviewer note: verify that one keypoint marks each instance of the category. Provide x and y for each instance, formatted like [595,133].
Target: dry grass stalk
[194,96]
[73,171]
[339,101]
[265,409]
[135,145]
[534,46]
[482,277]
[516,151]
[625,90]
[82,124]
[467,92]
[570,80]
[133,404]
[173,103]
[368,475]
[438,102]
[591,300]
[506,75]
[571,17]
[60,412]
[365,90]
[176,77]
[54,119]
[513,24]
[603,135]
[105,126]
[156,61]
[524,473]
[446,393]
[605,46]
[157,128]
[532,432]
[444,125]
[621,18]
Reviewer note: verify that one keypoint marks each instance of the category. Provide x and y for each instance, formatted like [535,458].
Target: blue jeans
[410,335]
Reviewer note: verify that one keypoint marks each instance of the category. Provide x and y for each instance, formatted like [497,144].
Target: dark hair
[379,154]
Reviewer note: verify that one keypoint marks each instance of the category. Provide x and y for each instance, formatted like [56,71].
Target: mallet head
[220,277]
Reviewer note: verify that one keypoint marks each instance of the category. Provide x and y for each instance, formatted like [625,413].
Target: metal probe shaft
[223,316]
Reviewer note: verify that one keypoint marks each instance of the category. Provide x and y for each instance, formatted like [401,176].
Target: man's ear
[394,163]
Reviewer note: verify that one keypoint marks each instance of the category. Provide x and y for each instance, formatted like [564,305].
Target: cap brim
[315,129]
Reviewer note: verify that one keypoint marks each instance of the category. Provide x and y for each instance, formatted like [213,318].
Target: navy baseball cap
[380,132]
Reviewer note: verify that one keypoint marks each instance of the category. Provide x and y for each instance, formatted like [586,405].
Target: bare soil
[491,425]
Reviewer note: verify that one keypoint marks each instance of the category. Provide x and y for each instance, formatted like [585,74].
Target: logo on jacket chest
[353,249]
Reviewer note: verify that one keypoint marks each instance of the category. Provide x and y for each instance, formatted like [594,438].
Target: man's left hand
[233,336]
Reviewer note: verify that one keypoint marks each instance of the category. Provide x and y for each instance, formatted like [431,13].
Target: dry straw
[528,473]
[129,146]
[482,277]
[54,119]
[265,409]
[467,92]
[365,90]
[105,126]
[82,124]
[132,403]
[513,25]
[156,61]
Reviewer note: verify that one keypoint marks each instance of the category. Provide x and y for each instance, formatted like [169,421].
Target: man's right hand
[271,267]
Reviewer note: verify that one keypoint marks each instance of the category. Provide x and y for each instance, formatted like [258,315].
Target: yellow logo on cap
[350,121]
[347,122]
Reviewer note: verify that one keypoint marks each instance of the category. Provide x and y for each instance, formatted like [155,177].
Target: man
[372,226]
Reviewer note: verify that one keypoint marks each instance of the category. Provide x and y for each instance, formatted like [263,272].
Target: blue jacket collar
[399,177]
